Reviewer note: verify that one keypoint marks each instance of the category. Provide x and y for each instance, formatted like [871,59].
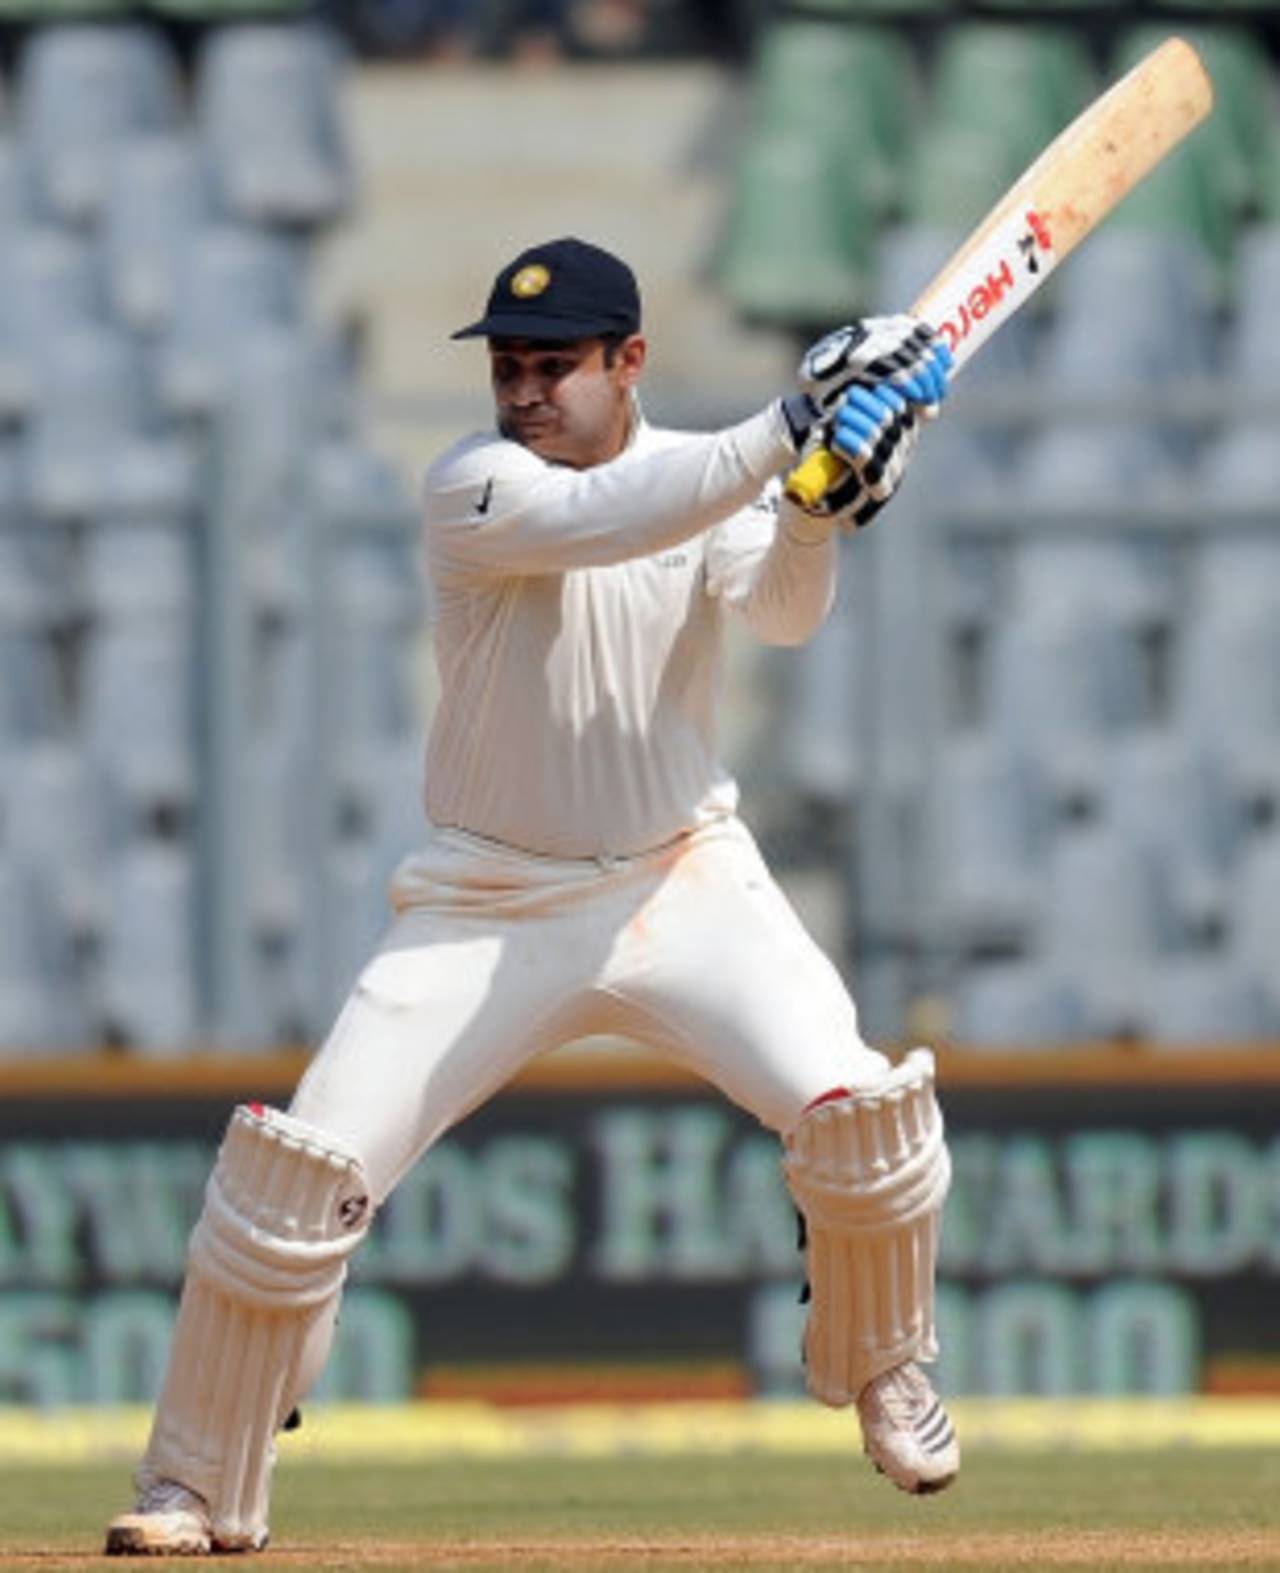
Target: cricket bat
[1080,177]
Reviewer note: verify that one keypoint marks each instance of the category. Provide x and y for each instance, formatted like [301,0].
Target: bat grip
[809,482]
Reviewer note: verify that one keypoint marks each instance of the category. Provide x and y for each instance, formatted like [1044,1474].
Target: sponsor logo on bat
[1010,266]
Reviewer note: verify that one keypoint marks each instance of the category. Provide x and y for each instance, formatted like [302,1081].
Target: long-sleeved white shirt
[578,629]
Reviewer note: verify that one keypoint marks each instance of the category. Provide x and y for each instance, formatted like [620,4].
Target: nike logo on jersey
[486,497]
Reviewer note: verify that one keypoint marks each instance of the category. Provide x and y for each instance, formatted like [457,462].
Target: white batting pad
[869,1172]
[283,1210]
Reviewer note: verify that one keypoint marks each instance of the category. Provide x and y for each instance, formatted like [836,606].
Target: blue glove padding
[930,384]
[874,431]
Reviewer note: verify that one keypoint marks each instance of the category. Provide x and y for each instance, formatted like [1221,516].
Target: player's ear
[631,358]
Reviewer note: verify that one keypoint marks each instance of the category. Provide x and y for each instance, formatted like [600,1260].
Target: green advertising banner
[1113,1228]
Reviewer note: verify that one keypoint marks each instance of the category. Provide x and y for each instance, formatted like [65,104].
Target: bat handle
[809,482]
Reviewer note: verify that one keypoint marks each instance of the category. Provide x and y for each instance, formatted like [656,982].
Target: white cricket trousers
[497,955]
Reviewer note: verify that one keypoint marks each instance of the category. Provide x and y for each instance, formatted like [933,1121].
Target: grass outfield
[1205,1508]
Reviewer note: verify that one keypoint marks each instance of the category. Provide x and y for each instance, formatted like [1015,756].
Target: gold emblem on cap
[530,281]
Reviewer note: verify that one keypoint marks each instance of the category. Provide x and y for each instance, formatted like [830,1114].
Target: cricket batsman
[584,870]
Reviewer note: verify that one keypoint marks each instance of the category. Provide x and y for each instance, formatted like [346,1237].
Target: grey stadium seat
[1165,795]
[233,283]
[49,287]
[1060,689]
[268,114]
[81,90]
[159,195]
[91,393]
[1241,466]
[138,716]
[1015,1005]
[1199,1001]
[988,826]
[1227,664]
[1252,354]
[1114,305]
[148,983]
[40,1010]
[49,808]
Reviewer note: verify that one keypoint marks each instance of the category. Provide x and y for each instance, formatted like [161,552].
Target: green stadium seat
[1037,10]
[957,174]
[854,89]
[1242,8]
[1017,82]
[797,249]
[1240,126]
[1269,189]
[877,10]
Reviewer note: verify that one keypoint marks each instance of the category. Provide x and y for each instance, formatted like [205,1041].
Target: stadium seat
[135,567]
[91,395]
[1254,937]
[1240,467]
[954,176]
[880,10]
[40,1007]
[49,286]
[1112,309]
[1095,466]
[158,198]
[1018,83]
[1087,471]
[81,90]
[148,976]
[1201,1001]
[50,811]
[1015,1005]
[1164,795]
[1060,689]
[1103,922]
[232,283]
[988,825]
[1252,351]
[1094,574]
[31,702]
[18,207]
[845,87]
[796,250]
[138,718]
[1227,664]
[268,117]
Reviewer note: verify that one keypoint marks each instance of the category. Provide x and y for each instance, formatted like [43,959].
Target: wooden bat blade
[1083,174]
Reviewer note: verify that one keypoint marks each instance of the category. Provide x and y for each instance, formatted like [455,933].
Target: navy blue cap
[566,289]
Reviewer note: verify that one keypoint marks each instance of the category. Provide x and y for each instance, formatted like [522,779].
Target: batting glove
[898,350]
[875,432]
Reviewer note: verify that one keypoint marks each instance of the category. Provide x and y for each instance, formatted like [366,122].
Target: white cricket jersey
[578,629]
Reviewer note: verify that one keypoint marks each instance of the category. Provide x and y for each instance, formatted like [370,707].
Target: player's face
[568,403]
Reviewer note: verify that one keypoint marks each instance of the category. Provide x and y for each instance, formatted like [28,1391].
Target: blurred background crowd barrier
[1024,785]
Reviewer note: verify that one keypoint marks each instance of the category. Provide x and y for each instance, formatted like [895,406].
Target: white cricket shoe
[906,1432]
[168,1521]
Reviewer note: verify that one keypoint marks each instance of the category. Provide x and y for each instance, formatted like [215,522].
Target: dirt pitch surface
[1099,1549]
